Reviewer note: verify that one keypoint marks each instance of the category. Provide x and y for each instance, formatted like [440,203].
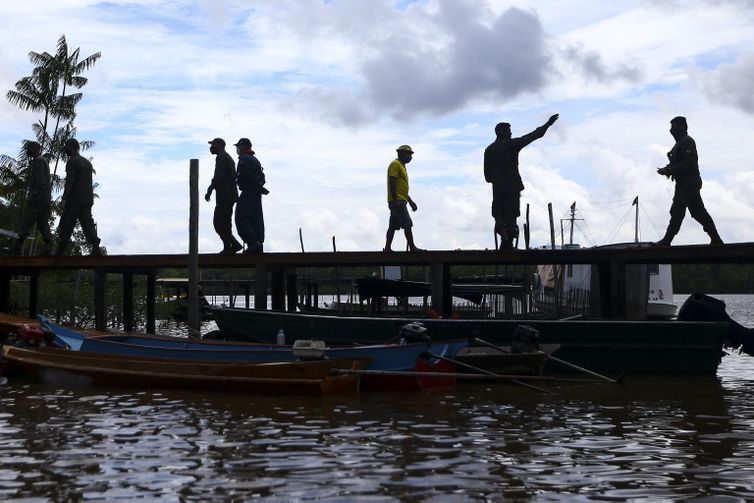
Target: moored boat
[612,346]
[302,377]
[383,357]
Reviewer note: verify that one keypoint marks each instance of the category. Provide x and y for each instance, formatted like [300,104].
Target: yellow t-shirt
[398,170]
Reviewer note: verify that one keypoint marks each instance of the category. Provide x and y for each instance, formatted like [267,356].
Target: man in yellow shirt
[398,199]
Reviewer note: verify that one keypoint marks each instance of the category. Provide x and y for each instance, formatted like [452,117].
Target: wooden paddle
[563,362]
[489,372]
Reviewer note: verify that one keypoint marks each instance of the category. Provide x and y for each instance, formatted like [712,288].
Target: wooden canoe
[381,356]
[305,377]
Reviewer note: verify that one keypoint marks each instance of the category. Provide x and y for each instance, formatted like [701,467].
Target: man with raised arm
[501,170]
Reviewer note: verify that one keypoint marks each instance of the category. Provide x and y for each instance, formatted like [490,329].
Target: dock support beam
[260,287]
[291,290]
[151,288]
[128,301]
[442,296]
[4,291]
[33,294]
[100,322]
[277,287]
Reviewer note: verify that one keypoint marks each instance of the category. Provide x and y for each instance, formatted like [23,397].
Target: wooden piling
[193,254]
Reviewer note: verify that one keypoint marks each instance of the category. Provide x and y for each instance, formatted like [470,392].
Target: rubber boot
[46,248]
[715,238]
[18,245]
[96,250]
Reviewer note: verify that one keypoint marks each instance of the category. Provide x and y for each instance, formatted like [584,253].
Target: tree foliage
[46,92]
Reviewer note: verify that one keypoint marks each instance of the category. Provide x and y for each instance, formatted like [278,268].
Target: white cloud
[326,91]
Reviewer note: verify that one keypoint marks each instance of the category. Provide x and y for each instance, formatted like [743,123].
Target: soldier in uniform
[38,200]
[251,180]
[501,170]
[224,183]
[684,169]
[78,199]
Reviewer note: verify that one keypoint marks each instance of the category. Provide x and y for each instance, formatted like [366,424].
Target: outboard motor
[525,339]
[414,332]
[700,307]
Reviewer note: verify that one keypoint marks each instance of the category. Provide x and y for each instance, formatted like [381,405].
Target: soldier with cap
[251,180]
[38,200]
[501,170]
[684,169]
[398,199]
[78,199]
[224,184]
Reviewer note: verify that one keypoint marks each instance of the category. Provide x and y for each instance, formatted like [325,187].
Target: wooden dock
[276,273]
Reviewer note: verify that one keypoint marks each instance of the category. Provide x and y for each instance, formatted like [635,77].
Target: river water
[663,439]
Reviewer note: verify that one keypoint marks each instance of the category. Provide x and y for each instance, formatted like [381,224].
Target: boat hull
[663,347]
[309,378]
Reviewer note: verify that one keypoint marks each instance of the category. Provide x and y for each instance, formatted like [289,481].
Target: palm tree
[65,68]
[39,92]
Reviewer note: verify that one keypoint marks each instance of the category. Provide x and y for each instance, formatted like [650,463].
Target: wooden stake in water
[193,252]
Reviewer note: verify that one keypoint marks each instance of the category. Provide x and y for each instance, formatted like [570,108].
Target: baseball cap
[405,148]
[219,141]
[243,142]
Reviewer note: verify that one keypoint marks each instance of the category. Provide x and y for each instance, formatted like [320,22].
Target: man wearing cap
[38,200]
[398,199]
[224,183]
[78,199]
[251,180]
[501,170]
[684,169]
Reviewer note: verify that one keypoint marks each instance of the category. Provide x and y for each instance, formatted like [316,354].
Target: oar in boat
[563,362]
[489,372]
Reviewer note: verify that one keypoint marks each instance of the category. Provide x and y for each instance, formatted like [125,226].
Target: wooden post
[100,277]
[128,301]
[291,290]
[442,299]
[4,291]
[33,294]
[277,287]
[552,226]
[193,252]
[151,289]
[260,287]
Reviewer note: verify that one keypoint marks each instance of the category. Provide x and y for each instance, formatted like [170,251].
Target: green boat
[609,346]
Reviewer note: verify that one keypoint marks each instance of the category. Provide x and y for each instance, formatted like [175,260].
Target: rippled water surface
[657,438]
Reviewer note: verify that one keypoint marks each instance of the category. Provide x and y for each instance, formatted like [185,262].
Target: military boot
[18,245]
[46,248]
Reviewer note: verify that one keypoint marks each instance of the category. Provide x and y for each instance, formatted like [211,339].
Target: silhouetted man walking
[38,200]
[501,170]
[398,199]
[226,195]
[78,199]
[684,169]
[251,180]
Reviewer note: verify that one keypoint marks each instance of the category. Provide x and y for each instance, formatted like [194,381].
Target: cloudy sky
[326,90]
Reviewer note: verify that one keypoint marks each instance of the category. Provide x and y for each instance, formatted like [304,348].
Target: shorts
[399,217]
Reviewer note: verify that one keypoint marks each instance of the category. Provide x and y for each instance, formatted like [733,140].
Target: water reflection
[657,438]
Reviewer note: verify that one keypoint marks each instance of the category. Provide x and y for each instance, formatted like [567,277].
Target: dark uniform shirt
[250,174]
[501,159]
[684,162]
[78,182]
[40,185]
[224,181]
